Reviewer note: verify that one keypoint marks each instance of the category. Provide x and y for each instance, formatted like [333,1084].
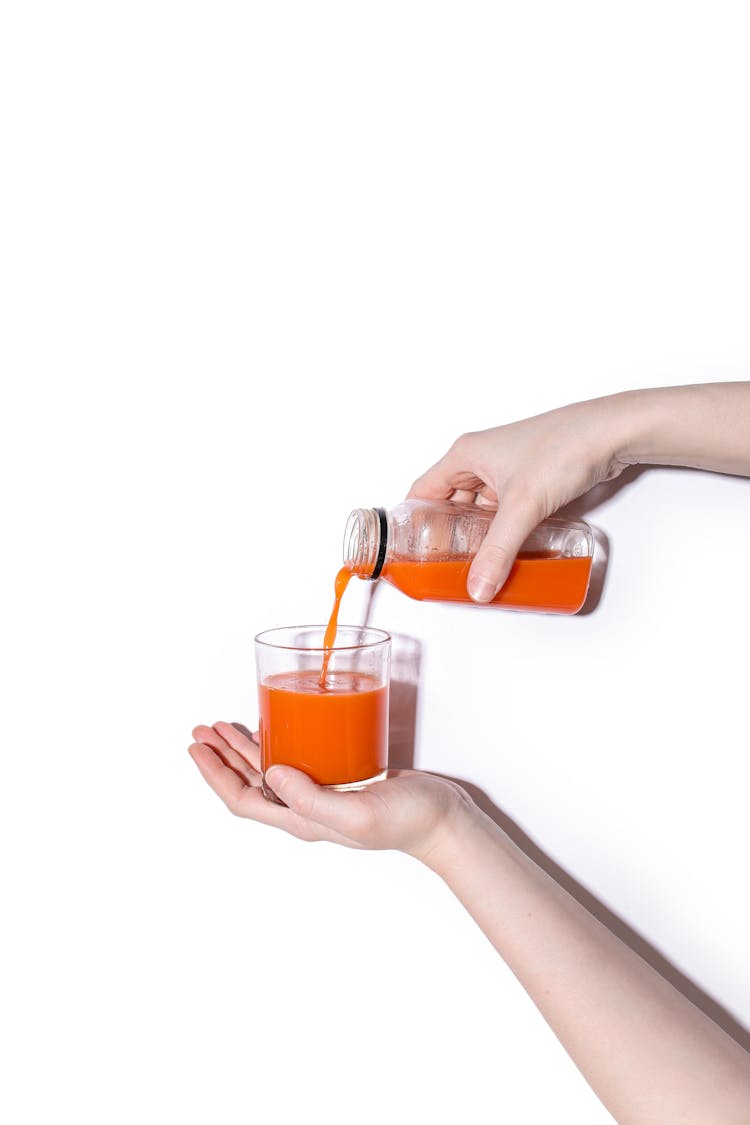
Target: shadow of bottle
[580,509]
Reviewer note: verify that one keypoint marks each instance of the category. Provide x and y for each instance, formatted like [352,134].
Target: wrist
[634,420]
[464,831]
[647,433]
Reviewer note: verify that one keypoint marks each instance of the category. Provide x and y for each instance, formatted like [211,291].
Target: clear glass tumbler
[324,711]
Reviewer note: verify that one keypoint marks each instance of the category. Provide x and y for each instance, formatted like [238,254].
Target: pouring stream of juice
[339,586]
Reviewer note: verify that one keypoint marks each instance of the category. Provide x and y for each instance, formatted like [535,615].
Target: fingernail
[274,776]
[481,590]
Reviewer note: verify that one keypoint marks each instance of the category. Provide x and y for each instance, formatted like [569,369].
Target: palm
[404,812]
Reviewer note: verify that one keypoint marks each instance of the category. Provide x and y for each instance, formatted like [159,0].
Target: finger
[487,499]
[435,484]
[452,471]
[248,801]
[516,517]
[252,735]
[242,800]
[229,756]
[344,813]
[225,781]
[240,739]
[463,496]
[232,736]
[439,482]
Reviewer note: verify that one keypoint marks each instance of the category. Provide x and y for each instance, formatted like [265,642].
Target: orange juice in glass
[324,710]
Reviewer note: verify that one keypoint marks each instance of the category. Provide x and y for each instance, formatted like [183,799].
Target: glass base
[353,786]
[347,787]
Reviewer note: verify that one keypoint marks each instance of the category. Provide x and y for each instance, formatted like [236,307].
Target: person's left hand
[409,811]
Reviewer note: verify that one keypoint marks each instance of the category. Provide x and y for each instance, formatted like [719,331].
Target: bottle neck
[366,542]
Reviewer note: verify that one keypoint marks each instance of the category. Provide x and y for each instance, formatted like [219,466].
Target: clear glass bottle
[425,547]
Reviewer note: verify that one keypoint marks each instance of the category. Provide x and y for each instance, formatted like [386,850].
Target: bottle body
[424,548]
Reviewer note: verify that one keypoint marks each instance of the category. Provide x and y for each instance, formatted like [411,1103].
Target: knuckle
[527,497]
[462,443]
[495,553]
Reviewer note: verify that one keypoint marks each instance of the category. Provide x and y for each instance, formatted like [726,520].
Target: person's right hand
[526,471]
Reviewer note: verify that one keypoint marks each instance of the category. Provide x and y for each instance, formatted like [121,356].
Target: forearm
[649,1054]
[706,426]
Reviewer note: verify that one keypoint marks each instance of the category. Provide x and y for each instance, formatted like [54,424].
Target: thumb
[491,566]
[340,811]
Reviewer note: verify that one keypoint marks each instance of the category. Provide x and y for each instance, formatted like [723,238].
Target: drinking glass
[324,711]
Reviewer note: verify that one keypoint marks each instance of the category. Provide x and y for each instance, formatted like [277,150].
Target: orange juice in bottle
[424,548]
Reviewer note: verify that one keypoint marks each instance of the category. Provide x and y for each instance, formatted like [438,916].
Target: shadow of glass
[630,937]
[406,662]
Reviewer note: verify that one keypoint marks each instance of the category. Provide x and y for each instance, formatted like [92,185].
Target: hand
[527,470]
[409,811]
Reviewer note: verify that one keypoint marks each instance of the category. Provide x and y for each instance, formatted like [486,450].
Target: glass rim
[381,638]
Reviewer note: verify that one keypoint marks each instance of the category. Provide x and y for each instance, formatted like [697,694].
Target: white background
[261,263]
